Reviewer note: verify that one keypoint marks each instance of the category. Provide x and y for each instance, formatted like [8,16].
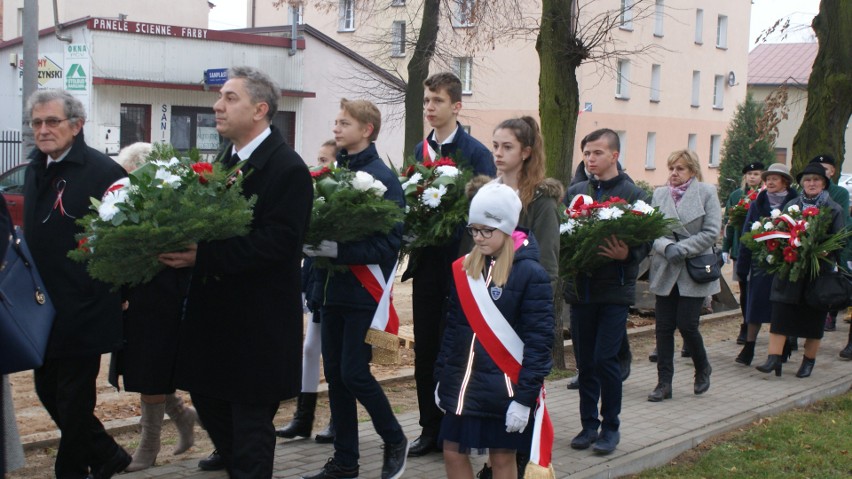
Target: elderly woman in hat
[777,193]
[791,315]
[731,243]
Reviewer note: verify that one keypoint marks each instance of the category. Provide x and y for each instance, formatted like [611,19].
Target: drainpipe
[294,25]
[57,26]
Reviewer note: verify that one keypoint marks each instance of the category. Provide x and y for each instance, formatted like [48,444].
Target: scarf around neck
[776,199]
[678,191]
[818,200]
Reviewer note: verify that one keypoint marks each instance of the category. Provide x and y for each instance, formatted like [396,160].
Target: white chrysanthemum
[415,178]
[378,188]
[770,259]
[768,226]
[756,225]
[793,209]
[363,181]
[775,213]
[165,164]
[431,197]
[167,178]
[107,211]
[610,213]
[567,227]
[447,170]
[643,207]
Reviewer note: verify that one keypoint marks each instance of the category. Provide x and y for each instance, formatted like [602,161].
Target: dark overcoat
[241,338]
[88,315]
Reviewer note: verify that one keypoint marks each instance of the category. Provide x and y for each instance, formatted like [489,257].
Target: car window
[12,181]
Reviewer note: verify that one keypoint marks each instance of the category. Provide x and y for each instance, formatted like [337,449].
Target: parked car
[12,188]
[845,181]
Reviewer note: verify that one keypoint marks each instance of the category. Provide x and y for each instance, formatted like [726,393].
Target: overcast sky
[232,14]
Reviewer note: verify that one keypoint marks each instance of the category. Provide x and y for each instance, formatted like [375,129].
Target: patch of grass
[808,442]
[557,374]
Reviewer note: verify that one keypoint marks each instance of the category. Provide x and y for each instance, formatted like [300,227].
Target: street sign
[216,76]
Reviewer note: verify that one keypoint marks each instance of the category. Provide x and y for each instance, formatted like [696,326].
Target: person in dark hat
[840,196]
[731,244]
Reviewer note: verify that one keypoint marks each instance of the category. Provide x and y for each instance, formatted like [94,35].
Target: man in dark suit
[63,174]
[241,338]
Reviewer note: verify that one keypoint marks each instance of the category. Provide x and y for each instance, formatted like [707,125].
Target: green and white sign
[77,68]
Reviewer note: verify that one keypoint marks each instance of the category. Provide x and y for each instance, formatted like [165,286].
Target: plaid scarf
[678,191]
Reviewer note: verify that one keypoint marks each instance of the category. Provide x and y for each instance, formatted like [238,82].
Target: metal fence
[10,149]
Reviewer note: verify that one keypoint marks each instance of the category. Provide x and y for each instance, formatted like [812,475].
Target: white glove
[326,248]
[517,417]
[726,257]
[438,398]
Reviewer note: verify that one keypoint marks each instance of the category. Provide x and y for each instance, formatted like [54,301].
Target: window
[398,39]
[699,26]
[397,3]
[659,12]
[655,83]
[463,68]
[722,32]
[622,87]
[692,142]
[622,154]
[347,16]
[715,147]
[650,150]
[20,25]
[696,87]
[135,124]
[719,92]
[626,22]
[194,127]
[464,13]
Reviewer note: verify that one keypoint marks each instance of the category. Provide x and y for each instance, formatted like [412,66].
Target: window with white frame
[692,142]
[346,16]
[722,32]
[20,23]
[463,68]
[397,3]
[699,26]
[650,150]
[622,83]
[718,92]
[715,149]
[626,21]
[659,14]
[655,83]
[622,154]
[696,87]
[398,39]
[464,13]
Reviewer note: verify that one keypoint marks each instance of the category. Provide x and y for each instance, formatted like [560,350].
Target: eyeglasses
[50,122]
[484,232]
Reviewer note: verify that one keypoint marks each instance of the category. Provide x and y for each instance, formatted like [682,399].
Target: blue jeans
[599,331]
[346,361]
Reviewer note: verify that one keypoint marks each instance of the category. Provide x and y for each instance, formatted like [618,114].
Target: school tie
[435,147]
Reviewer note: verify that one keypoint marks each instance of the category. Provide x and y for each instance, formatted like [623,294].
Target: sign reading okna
[78,75]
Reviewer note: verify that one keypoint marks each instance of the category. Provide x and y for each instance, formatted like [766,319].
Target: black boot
[702,378]
[303,419]
[747,354]
[326,436]
[773,363]
[741,338]
[806,368]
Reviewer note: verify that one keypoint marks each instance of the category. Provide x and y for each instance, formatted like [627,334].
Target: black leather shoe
[333,470]
[746,356]
[214,462]
[326,436]
[702,379]
[395,456]
[115,464]
[423,445]
[662,391]
[653,356]
[773,363]
[846,354]
[584,439]
[574,382]
[806,368]
[607,442]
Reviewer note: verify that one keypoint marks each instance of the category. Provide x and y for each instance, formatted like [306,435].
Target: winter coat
[468,152]
[615,281]
[241,336]
[342,288]
[758,308]
[731,242]
[88,315]
[792,292]
[700,217]
[526,302]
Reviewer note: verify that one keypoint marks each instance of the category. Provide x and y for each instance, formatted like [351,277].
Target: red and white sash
[505,348]
[381,289]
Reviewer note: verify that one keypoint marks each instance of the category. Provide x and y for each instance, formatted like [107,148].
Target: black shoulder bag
[704,268]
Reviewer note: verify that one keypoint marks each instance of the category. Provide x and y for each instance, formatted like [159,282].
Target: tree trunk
[418,71]
[829,87]
[559,58]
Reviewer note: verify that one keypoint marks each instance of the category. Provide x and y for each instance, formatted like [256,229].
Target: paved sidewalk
[651,433]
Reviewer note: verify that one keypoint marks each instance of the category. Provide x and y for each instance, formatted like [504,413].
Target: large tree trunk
[418,71]
[559,58]
[829,87]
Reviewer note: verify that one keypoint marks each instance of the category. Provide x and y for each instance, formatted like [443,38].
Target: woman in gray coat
[679,298]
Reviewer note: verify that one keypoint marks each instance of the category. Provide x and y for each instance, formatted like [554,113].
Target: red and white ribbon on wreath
[796,228]
[381,289]
[505,348]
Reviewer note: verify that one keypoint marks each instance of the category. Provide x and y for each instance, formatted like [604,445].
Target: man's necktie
[435,147]
[233,160]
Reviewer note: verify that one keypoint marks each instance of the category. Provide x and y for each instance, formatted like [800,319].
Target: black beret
[756,166]
[828,159]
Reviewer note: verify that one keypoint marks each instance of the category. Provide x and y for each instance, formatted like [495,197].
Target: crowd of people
[224,320]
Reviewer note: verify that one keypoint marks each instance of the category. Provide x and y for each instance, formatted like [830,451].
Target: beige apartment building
[682,95]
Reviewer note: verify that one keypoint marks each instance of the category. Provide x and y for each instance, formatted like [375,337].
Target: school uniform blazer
[241,338]
[700,217]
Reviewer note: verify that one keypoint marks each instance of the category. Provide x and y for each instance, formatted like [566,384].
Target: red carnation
[772,245]
[445,161]
[428,163]
[202,169]
[82,244]
[790,254]
[810,211]
[410,171]
[321,172]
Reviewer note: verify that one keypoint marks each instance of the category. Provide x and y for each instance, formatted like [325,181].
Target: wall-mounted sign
[143,28]
[216,76]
